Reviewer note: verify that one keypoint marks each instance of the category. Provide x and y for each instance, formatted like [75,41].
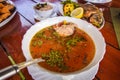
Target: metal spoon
[13,69]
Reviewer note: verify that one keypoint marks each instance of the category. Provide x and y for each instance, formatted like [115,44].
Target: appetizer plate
[87,73]
[10,17]
[60,7]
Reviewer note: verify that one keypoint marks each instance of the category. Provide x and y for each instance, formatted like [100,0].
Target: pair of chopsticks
[13,62]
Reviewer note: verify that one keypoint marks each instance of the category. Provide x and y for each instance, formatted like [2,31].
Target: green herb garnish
[37,43]
[73,41]
[40,34]
[54,58]
[38,6]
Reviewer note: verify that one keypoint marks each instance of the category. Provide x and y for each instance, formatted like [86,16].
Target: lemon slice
[77,13]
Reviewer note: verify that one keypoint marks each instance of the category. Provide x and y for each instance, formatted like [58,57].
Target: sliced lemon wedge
[77,13]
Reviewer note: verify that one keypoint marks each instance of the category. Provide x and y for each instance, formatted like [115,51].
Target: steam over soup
[63,53]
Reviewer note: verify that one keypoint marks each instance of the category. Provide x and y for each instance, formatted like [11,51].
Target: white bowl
[44,14]
[93,32]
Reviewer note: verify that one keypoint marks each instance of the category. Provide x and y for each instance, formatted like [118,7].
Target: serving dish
[5,21]
[60,7]
[39,73]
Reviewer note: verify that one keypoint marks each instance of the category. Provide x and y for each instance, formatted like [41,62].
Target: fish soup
[63,53]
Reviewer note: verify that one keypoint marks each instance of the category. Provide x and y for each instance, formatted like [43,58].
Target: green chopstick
[13,62]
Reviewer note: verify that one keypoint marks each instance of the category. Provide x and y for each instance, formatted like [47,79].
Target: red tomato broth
[75,58]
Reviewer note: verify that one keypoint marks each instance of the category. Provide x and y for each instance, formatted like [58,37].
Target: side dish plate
[10,17]
[60,7]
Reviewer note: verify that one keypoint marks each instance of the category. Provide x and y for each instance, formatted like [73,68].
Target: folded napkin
[115,14]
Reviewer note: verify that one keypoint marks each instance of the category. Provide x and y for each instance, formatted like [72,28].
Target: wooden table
[12,33]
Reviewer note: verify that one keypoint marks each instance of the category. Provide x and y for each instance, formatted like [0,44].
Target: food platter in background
[8,11]
[91,13]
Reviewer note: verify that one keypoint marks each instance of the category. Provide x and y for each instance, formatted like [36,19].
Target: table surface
[12,33]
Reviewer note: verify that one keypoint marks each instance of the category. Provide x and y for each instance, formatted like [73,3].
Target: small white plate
[10,17]
[39,18]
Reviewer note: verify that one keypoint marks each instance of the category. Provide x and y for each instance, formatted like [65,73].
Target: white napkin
[71,0]
[99,1]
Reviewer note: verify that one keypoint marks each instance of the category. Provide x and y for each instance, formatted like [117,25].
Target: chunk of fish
[65,29]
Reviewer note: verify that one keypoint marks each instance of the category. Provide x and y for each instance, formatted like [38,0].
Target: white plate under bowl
[10,17]
[87,73]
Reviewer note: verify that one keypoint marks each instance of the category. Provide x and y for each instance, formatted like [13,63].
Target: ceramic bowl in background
[44,13]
